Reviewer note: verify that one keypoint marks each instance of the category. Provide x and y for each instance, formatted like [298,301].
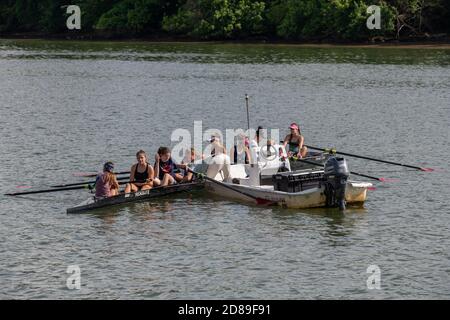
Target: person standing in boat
[240,153]
[219,160]
[106,184]
[296,141]
[142,173]
[166,170]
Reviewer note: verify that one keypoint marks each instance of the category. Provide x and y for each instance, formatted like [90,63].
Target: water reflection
[334,225]
[218,53]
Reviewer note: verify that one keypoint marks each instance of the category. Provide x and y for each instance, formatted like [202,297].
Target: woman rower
[142,173]
[106,184]
[167,171]
[296,141]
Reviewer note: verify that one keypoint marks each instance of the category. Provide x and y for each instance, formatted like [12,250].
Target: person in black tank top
[141,174]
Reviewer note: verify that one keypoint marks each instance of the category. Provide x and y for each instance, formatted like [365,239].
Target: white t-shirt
[254,151]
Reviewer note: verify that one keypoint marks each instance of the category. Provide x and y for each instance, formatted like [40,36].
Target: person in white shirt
[219,160]
[255,146]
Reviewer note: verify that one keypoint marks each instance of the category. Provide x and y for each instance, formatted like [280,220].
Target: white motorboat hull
[356,193]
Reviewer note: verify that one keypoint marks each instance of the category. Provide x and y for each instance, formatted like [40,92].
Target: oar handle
[82,183]
[92,175]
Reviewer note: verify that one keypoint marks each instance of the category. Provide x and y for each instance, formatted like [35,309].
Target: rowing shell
[94,203]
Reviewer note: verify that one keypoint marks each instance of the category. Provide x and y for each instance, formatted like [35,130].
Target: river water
[67,107]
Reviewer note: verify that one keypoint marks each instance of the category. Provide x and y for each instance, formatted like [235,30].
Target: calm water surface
[67,107]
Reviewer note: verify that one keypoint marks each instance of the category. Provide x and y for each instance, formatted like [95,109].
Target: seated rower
[166,169]
[141,176]
[296,141]
[191,156]
[106,184]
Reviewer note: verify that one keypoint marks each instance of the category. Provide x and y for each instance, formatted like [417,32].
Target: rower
[296,141]
[192,156]
[166,172]
[106,184]
[141,176]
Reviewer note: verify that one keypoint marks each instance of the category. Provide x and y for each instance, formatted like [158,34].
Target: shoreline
[443,43]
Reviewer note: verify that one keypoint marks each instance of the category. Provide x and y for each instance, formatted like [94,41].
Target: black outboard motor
[336,176]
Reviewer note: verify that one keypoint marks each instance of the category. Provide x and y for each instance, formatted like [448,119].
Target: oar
[374,159]
[82,183]
[44,191]
[248,116]
[352,172]
[91,175]
[85,186]
[258,200]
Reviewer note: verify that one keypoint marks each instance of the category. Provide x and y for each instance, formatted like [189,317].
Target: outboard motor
[336,176]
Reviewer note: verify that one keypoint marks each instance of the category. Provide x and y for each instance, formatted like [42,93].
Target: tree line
[296,20]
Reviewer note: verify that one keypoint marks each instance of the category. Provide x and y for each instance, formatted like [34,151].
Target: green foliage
[232,19]
[115,19]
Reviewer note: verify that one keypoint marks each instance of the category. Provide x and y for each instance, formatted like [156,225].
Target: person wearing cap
[106,184]
[296,141]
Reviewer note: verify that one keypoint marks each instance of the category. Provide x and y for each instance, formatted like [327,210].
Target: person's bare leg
[114,192]
[304,151]
[130,188]
[188,177]
[178,177]
[167,180]
[156,182]
[147,186]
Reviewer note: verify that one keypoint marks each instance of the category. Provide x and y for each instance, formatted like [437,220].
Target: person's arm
[286,140]
[150,172]
[132,170]
[300,146]
[249,157]
[156,166]
[180,166]
[115,184]
[232,155]
[301,142]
